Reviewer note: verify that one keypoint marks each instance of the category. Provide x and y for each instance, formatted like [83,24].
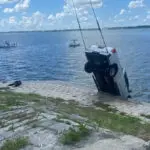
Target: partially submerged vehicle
[74,43]
[7,45]
[108,74]
[103,63]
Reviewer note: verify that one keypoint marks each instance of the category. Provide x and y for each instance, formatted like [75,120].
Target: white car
[108,74]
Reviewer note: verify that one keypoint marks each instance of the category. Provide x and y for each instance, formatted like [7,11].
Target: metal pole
[99,28]
[79,25]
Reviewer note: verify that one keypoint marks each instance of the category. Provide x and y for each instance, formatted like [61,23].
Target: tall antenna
[99,28]
[79,24]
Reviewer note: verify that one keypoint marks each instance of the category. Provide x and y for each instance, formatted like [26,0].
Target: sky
[27,15]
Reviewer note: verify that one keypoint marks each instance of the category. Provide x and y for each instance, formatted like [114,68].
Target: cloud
[136,4]
[122,11]
[120,20]
[68,10]
[67,15]
[83,19]
[2,23]
[81,6]
[8,24]
[115,17]
[12,20]
[51,17]
[60,15]
[8,10]
[36,21]
[148,17]
[134,18]
[85,3]
[7,1]
[22,5]
[60,20]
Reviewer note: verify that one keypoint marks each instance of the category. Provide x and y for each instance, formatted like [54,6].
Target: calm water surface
[46,56]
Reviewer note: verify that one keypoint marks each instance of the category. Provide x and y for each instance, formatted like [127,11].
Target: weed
[16,144]
[109,120]
[74,135]
[106,107]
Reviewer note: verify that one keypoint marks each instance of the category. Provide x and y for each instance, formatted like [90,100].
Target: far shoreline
[88,29]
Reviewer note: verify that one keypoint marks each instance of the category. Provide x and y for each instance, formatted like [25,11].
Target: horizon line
[61,30]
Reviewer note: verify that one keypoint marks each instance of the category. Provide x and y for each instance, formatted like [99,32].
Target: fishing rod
[99,27]
[75,11]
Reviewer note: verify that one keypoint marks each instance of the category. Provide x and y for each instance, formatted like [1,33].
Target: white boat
[7,44]
[74,44]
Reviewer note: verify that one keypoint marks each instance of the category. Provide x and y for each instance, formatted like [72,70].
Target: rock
[125,142]
[77,117]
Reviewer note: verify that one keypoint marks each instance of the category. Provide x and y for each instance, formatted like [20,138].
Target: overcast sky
[58,14]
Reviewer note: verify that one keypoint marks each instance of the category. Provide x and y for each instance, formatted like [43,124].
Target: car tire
[113,70]
[88,67]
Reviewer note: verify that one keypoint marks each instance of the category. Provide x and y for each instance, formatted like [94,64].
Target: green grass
[73,135]
[109,120]
[101,114]
[4,88]
[4,107]
[16,144]
[146,116]
[106,107]
[123,113]
[9,99]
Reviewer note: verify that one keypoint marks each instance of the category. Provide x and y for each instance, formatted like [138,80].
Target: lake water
[46,56]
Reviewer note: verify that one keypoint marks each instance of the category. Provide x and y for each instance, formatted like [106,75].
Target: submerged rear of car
[108,74]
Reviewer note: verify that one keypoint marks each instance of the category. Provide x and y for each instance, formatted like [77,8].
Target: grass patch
[146,116]
[4,107]
[9,99]
[105,117]
[123,113]
[109,120]
[73,135]
[16,144]
[4,88]
[106,107]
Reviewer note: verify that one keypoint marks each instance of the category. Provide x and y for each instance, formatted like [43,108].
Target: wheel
[112,70]
[88,67]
